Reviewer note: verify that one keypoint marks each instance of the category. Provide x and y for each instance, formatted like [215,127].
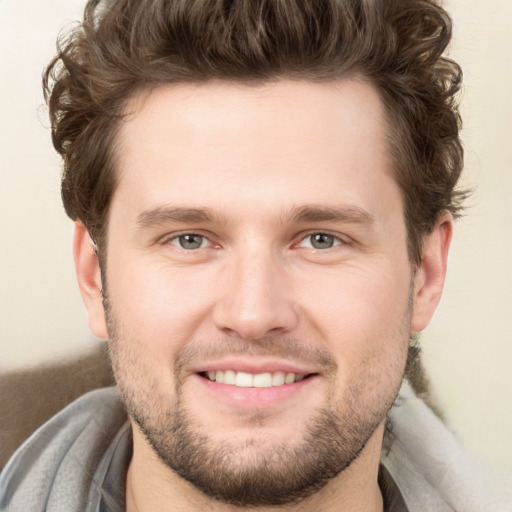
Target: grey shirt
[75,462]
[78,461]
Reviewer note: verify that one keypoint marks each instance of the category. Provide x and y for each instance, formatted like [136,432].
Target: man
[263,195]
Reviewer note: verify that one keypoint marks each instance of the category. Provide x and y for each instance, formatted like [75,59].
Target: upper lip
[254,366]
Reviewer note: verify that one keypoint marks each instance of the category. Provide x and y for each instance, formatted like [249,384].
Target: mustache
[288,349]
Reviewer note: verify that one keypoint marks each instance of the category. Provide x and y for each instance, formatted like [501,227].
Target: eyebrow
[165,214]
[345,213]
[301,214]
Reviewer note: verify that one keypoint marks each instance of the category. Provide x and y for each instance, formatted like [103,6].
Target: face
[258,291]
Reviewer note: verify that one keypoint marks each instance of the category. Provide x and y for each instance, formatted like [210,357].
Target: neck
[151,485]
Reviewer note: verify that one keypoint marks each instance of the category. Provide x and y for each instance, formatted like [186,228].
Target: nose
[255,300]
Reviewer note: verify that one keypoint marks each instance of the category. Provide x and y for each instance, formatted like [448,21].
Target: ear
[430,276]
[89,279]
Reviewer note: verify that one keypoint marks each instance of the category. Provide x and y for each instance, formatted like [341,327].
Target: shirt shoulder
[427,463]
[58,467]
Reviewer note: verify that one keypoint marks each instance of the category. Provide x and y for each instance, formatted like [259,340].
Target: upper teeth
[248,380]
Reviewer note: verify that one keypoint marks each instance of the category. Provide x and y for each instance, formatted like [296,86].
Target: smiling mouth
[249,380]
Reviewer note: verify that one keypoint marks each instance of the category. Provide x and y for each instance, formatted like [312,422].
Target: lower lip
[255,397]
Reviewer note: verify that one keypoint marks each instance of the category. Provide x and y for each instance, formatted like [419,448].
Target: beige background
[468,347]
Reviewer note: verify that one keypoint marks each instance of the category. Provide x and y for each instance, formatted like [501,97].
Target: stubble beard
[253,472]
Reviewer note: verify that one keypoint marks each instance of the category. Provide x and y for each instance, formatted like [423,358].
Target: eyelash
[176,237]
[337,240]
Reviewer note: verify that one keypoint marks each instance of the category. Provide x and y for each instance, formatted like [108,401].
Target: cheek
[363,314]
[156,307]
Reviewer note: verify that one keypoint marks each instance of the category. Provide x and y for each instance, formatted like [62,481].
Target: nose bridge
[255,301]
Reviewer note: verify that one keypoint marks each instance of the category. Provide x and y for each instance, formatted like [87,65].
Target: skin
[256,290]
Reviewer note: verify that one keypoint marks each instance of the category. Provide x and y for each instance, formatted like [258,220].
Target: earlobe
[430,276]
[89,279]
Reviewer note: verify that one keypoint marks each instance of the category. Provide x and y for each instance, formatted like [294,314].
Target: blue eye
[190,241]
[320,241]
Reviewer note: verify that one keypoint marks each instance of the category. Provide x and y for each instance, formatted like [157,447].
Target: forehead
[276,145]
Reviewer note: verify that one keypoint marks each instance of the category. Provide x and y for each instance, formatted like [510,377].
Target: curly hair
[124,46]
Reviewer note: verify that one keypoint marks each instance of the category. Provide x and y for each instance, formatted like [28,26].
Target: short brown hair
[125,46]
